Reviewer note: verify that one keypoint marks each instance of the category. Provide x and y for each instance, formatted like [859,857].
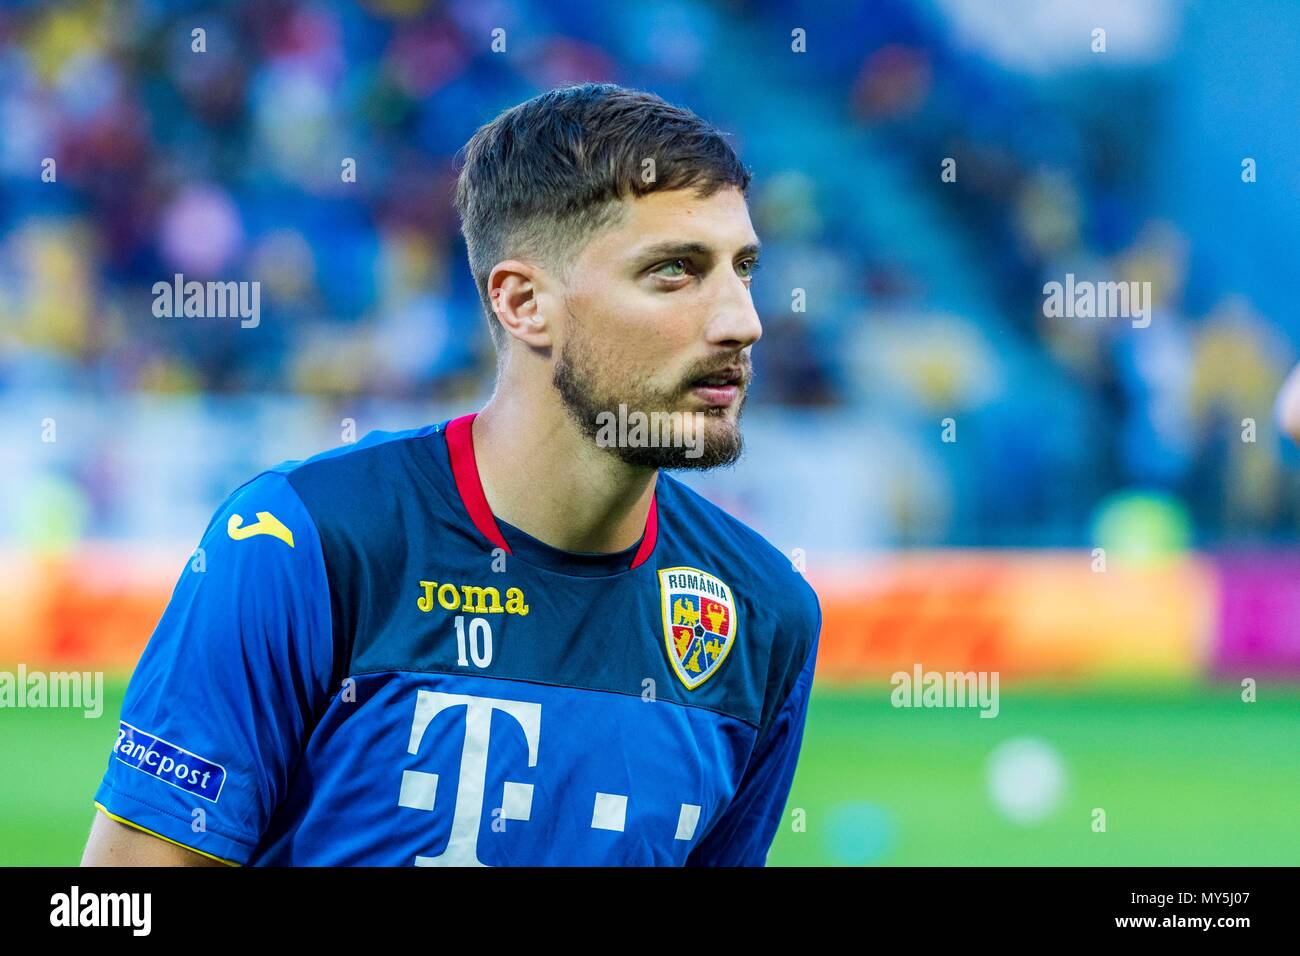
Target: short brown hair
[544,175]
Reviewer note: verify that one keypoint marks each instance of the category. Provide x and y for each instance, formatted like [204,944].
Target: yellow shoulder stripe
[114,816]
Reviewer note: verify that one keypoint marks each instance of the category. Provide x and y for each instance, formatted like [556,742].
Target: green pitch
[1184,775]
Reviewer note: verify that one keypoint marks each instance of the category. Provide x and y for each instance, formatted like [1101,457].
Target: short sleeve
[744,833]
[223,698]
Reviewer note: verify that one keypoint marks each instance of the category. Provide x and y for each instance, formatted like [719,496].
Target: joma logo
[471,599]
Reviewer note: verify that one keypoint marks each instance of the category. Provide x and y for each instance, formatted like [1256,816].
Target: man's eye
[675,269]
[746,268]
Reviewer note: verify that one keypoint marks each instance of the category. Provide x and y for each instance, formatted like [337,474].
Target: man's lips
[720,388]
[718,396]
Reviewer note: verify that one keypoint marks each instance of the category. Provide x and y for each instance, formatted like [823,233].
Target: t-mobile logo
[419,788]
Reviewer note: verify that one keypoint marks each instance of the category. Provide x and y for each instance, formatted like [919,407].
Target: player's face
[659,318]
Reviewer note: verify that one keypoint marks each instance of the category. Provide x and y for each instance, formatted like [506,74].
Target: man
[507,639]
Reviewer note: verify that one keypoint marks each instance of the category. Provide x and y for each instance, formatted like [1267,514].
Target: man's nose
[734,322]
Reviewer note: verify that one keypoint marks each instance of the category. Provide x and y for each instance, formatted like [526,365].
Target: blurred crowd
[924,293]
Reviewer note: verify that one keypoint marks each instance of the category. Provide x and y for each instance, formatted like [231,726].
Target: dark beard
[574,380]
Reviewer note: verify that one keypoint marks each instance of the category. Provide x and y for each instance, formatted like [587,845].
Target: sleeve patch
[171,764]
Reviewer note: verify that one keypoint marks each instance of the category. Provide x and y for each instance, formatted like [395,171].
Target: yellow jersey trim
[113,816]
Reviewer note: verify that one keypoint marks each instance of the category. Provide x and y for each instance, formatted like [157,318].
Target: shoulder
[335,501]
[262,523]
[776,598]
[328,530]
[750,556]
[361,491]
[361,468]
[334,480]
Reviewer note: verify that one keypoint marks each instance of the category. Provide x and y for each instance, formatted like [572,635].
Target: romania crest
[699,614]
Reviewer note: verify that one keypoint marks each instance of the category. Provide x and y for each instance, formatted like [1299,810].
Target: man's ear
[512,290]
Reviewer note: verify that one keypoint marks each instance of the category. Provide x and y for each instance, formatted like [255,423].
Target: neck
[542,475]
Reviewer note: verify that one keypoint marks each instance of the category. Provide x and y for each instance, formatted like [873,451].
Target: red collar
[464,468]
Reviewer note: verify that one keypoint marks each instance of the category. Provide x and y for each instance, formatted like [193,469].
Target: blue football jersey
[362,665]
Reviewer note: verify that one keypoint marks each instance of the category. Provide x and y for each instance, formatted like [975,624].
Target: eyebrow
[674,249]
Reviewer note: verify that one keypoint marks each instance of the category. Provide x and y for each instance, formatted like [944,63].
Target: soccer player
[509,638]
